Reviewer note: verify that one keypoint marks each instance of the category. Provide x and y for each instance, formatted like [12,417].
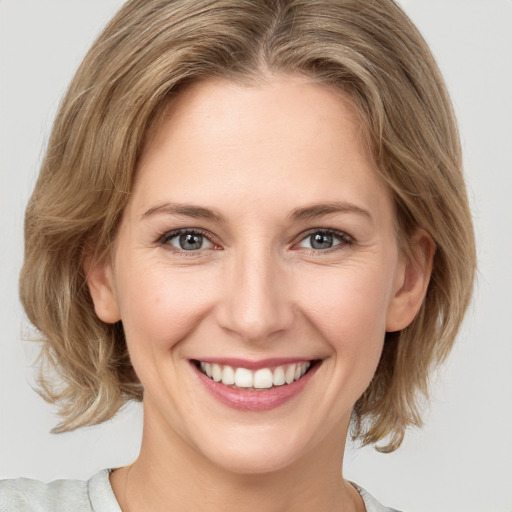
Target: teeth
[216,372]
[264,378]
[207,368]
[279,376]
[289,375]
[228,376]
[243,378]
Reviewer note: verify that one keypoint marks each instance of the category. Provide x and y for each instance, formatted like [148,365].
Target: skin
[255,289]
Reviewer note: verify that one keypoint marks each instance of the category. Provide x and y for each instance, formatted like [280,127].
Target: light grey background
[461,461]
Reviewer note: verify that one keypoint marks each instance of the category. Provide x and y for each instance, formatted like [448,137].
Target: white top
[95,495]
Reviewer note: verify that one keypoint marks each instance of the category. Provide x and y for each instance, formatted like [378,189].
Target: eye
[325,239]
[187,240]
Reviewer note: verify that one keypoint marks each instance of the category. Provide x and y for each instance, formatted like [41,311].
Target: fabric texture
[25,495]
[94,495]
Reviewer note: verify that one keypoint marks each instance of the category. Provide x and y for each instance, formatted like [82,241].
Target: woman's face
[258,243]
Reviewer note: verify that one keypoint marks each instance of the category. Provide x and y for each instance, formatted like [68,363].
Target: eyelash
[170,235]
[344,239]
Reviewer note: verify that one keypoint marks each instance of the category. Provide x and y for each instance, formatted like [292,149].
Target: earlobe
[101,287]
[412,282]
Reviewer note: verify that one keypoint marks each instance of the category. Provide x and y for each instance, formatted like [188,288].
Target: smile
[255,386]
[260,379]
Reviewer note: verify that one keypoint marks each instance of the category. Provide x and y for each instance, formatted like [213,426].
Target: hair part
[149,52]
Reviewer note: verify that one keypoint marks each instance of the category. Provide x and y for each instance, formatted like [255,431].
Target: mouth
[239,377]
[255,386]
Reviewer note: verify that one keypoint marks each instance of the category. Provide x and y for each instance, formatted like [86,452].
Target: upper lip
[253,364]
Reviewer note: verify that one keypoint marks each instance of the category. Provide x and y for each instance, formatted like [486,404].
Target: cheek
[160,307]
[348,308]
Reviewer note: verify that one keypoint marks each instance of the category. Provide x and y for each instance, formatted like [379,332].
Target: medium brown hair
[151,50]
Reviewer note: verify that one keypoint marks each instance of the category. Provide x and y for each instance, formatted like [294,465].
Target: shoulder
[26,495]
[23,494]
[372,505]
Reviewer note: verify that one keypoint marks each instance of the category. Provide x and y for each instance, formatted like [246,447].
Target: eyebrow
[319,210]
[188,210]
[305,213]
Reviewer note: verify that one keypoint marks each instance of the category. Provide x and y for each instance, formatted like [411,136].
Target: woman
[252,217]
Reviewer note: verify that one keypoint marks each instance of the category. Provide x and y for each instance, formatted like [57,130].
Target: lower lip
[263,400]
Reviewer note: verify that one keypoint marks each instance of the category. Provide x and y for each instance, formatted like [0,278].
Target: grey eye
[321,240]
[190,241]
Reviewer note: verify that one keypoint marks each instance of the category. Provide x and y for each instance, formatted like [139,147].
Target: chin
[260,451]
[254,461]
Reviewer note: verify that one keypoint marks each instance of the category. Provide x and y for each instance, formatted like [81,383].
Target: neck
[169,474]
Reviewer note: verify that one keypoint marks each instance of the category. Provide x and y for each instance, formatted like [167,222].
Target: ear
[98,275]
[411,283]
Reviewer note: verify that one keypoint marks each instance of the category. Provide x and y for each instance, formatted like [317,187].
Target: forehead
[218,107]
[284,138]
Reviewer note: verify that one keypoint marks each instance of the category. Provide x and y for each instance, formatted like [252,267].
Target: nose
[256,302]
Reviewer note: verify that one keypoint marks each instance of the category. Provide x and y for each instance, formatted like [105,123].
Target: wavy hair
[151,50]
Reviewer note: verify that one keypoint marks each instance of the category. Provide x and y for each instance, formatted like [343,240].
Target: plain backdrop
[461,461]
